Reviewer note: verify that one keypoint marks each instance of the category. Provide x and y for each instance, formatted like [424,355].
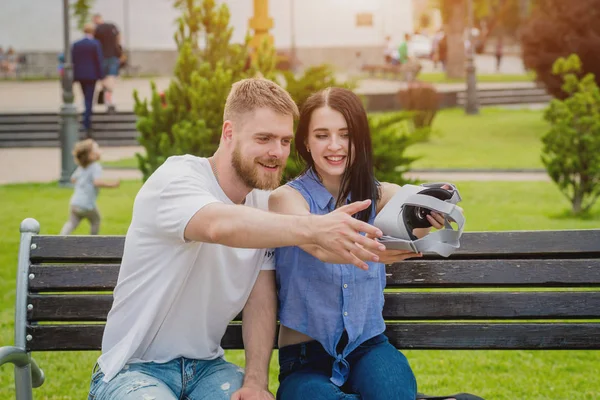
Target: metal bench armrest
[20,358]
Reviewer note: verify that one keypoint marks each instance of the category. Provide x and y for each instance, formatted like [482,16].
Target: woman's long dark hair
[358,180]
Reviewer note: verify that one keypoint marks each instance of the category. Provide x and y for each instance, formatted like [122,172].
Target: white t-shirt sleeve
[269,260]
[179,200]
[96,171]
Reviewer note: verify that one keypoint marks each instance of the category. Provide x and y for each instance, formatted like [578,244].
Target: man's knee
[129,385]
[220,383]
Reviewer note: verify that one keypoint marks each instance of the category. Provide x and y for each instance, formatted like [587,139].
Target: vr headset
[408,209]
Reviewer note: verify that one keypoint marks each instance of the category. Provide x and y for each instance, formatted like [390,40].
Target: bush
[571,151]
[392,134]
[558,28]
[423,101]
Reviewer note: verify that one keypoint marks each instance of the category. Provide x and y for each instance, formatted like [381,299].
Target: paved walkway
[46,96]
[43,165]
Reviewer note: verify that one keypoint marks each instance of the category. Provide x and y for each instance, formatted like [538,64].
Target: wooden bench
[78,266]
[384,69]
[405,72]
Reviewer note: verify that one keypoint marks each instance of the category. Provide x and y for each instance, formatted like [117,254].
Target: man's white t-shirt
[175,298]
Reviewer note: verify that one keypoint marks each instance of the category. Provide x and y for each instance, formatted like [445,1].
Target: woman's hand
[393,256]
[435,219]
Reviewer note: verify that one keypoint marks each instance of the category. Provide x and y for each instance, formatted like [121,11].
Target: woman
[331,339]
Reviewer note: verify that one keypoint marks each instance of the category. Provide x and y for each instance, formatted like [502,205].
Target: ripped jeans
[181,378]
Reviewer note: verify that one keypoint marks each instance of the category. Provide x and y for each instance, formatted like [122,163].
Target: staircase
[43,129]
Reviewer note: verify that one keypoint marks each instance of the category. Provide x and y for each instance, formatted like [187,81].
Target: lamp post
[69,131]
[472,103]
[126,32]
[293,35]
[261,23]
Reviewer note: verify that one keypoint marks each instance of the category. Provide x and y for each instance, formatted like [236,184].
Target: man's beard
[248,171]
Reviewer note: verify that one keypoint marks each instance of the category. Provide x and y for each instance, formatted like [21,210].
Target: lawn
[440,77]
[492,374]
[497,138]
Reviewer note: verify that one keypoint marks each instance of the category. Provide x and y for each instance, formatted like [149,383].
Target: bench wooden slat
[528,336]
[510,245]
[494,273]
[492,305]
[403,306]
[77,277]
[68,307]
[414,274]
[77,248]
[549,336]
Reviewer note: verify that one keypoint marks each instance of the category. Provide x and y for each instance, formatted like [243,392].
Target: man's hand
[339,233]
[252,393]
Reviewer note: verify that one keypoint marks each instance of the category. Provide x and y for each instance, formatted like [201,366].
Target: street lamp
[472,103]
[68,112]
[292,36]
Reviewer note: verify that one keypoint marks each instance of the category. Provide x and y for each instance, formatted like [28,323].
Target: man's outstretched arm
[247,227]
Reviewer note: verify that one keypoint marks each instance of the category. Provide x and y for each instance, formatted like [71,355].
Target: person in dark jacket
[87,70]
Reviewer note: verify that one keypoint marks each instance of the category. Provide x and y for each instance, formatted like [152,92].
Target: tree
[189,118]
[571,151]
[454,14]
[81,11]
[557,29]
[490,15]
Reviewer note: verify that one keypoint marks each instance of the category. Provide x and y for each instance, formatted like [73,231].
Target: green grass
[497,138]
[500,375]
[130,162]
[440,77]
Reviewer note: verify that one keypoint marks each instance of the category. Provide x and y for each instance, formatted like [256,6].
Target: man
[403,50]
[196,254]
[87,70]
[109,37]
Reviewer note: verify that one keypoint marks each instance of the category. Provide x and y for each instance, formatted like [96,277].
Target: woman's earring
[307,149]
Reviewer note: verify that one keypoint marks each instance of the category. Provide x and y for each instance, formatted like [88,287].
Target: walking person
[87,70]
[110,39]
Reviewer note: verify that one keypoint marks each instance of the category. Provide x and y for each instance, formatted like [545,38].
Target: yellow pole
[261,23]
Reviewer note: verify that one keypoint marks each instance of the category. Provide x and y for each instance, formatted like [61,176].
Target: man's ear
[227,131]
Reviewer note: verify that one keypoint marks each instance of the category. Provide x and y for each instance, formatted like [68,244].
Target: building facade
[344,33]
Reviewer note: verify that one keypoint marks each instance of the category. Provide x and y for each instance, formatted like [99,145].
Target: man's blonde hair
[252,93]
[89,28]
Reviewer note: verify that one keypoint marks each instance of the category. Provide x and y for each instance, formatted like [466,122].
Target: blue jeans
[88,87]
[180,378]
[377,371]
[110,65]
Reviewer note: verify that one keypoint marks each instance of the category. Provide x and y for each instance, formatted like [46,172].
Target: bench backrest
[479,298]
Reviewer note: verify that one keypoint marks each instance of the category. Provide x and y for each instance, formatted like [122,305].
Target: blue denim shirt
[321,299]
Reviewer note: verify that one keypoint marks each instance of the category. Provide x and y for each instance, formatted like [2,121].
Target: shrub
[571,151]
